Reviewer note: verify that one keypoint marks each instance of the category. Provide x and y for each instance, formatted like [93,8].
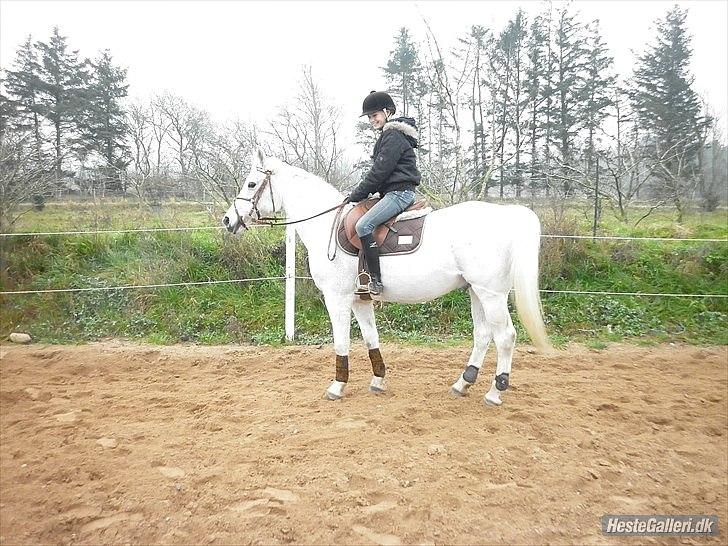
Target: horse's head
[256,198]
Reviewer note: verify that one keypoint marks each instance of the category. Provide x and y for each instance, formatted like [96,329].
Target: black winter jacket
[395,162]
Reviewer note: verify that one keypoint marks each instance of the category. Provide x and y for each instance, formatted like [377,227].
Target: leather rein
[271,220]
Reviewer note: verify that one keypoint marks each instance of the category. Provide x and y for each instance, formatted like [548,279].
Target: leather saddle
[400,234]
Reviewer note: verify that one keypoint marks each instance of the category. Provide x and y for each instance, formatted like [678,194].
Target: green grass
[254,313]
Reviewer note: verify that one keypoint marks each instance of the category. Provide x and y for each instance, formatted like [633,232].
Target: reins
[270,221]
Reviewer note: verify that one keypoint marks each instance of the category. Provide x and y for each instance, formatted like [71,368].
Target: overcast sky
[243,58]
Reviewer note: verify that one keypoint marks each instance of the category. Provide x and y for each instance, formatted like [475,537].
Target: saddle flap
[348,223]
[399,235]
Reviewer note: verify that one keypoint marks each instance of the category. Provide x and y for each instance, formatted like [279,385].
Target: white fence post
[290,282]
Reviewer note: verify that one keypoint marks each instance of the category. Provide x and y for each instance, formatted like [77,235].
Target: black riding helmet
[376,101]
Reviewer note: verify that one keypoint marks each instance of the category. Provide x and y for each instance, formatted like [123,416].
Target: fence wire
[211,228]
[230,281]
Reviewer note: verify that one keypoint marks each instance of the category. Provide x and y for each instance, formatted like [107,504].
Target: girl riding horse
[394,175]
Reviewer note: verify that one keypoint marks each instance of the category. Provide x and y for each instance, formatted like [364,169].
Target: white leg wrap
[335,390]
[377,385]
[493,396]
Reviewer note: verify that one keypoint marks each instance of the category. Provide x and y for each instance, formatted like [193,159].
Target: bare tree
[141,135]
[306,131]
[447,84]
[160,126]
[187,125]
[221,159]
[23,175]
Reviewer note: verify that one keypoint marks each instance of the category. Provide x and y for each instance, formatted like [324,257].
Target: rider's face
[377,119]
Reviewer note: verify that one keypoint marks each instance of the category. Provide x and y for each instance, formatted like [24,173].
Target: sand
[130,444]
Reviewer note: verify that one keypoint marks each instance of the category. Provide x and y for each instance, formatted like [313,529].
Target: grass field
[253,312]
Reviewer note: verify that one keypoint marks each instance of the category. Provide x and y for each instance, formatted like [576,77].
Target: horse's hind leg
[364,313]
[481,340]
[495,307]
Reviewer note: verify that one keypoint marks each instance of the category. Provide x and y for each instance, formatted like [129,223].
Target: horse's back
[481,238]
[503,222]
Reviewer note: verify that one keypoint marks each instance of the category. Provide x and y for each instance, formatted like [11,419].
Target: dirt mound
[121,443]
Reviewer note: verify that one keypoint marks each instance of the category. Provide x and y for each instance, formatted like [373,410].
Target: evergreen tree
[103,129]
[570,60]
[402,70]
[533,88]
[507,76]
[517,33]
[62,99]
[8,112]
[667,107]
[598,88]
[476,42]
[23,93]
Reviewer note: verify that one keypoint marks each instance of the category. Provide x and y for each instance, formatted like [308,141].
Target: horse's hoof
[457,393]
[492,400]
[335,391]
[377,386]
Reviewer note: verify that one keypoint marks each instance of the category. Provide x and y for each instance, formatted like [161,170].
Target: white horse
[486,248]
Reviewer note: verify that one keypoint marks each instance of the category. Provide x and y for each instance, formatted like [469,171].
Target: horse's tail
[525,279]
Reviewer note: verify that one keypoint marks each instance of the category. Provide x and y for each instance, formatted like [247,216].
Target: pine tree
[668,108]
[23,92]
[476,41]
[570,58]
[517,34]
[8,112]
[598,88]
[508,72]
[103,129]
[402,70]
[533,88]
[62,79]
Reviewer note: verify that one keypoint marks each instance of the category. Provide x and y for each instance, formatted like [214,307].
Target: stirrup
[362,283]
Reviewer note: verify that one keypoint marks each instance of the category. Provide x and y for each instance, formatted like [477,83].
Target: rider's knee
[363,228]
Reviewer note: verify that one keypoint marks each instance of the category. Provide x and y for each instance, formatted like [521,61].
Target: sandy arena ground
[128,444]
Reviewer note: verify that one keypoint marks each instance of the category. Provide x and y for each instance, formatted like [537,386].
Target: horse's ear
[261,156]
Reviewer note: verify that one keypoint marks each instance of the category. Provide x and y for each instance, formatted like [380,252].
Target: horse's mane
[320,185]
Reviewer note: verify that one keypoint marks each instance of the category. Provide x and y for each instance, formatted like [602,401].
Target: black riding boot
[371,255]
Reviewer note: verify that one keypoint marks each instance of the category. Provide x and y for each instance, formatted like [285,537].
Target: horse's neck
[304,194]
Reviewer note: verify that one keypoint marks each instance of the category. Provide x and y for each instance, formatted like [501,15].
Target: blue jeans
[393,203]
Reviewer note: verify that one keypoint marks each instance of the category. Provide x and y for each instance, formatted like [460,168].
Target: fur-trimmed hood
[394,162]
[406,126]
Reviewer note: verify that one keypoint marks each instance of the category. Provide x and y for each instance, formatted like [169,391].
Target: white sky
[243,58]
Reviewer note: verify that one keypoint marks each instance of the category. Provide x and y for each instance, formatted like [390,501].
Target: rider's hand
[346,200]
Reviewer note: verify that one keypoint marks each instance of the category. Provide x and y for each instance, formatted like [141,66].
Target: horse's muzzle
[232,228]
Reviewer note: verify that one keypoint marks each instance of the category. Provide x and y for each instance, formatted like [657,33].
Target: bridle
[270,220]
[255,199]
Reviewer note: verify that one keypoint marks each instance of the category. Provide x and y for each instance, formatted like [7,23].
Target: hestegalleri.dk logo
[640,525]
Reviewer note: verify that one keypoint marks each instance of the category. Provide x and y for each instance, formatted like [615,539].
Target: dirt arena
[128,444]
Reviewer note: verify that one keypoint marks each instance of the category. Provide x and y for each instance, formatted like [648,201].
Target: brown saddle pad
[393,237]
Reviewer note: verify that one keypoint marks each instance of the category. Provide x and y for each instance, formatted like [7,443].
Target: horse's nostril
[226,221]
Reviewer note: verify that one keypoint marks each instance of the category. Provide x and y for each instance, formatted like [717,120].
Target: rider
[393,174]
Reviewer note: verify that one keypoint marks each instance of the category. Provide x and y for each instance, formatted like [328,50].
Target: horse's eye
[251,184]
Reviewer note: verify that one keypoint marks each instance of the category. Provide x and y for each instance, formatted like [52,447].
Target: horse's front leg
[339,308]
[364,313]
